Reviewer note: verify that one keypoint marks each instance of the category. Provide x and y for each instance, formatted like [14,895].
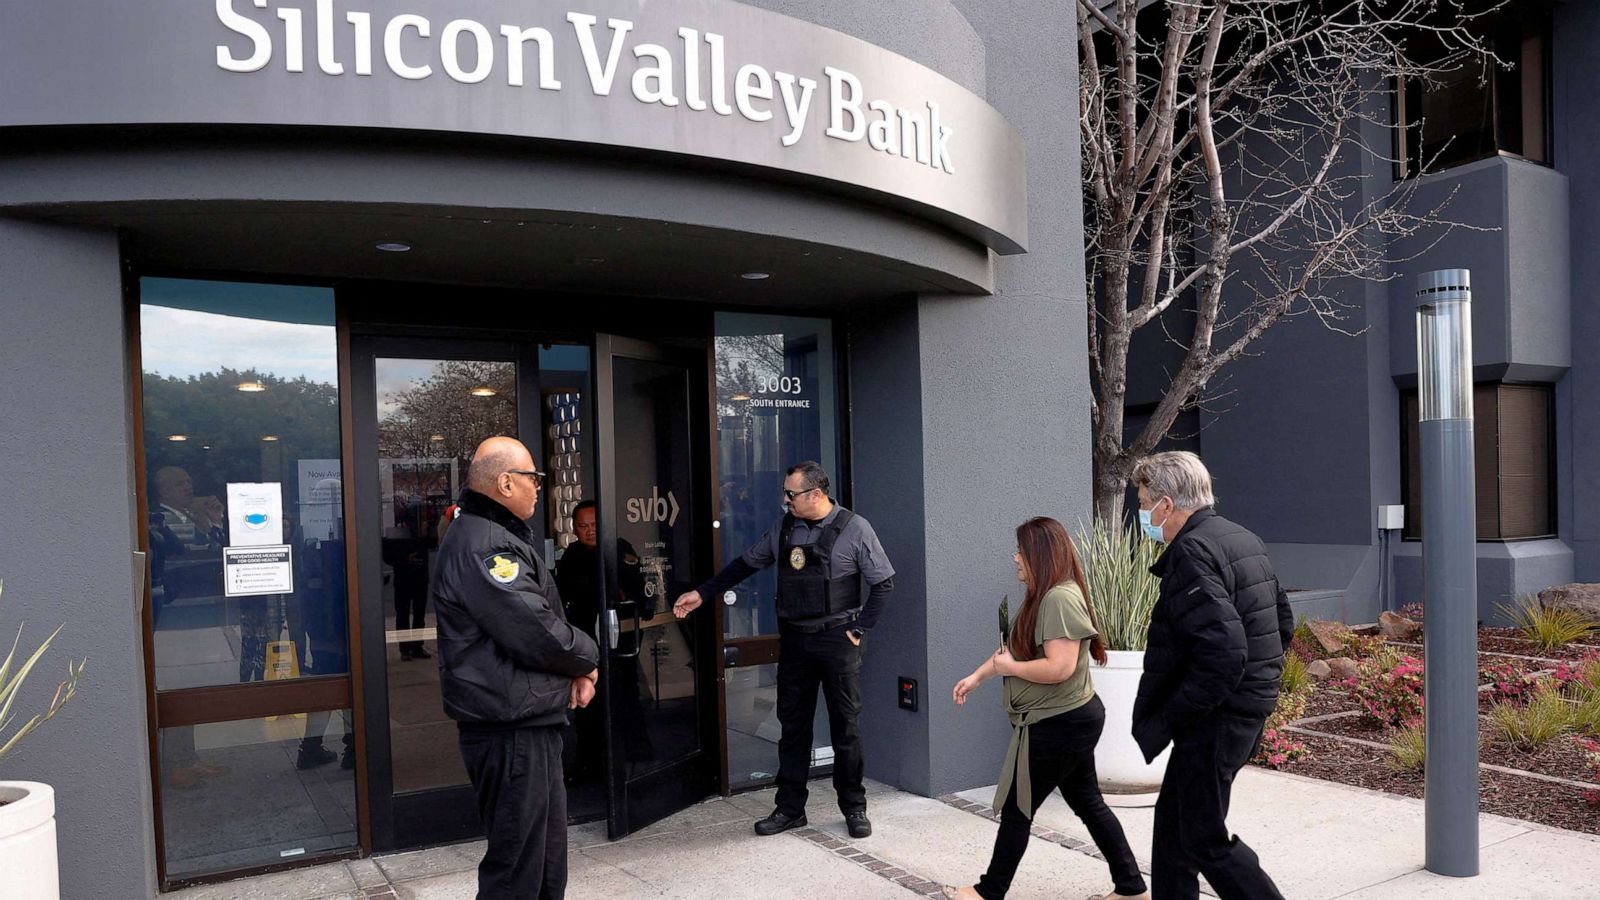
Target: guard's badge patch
[797,558]
[501,569]
[630,559]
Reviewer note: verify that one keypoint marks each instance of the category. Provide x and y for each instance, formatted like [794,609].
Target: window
[1513,445]
[1480,109]
[244,508]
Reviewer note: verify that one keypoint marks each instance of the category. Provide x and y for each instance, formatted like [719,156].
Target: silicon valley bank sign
[733,86]
[468,52]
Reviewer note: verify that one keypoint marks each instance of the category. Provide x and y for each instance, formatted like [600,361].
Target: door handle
[612,628]
[638,634]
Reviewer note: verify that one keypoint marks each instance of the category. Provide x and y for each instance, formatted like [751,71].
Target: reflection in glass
[262,797]
[776,402]
[753,729]
[654,707]
[432,414]
[240,386]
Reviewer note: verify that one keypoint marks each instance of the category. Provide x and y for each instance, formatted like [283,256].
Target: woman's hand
[964,687]
[1003,663]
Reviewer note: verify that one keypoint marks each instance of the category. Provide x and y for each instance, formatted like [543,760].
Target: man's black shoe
[311,757]
[860,827]
[779,822]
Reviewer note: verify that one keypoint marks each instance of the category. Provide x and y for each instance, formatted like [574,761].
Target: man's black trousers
[1191,834]
[826,659]
[522,801]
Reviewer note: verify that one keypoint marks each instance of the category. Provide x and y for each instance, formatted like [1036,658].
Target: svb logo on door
[654,508]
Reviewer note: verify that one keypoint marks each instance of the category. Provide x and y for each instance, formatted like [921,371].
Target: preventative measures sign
[693,71]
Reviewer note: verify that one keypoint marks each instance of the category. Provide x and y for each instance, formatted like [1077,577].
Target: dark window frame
[1535,22]
[1409,473]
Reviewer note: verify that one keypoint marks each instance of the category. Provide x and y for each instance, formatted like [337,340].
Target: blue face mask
[1151,530]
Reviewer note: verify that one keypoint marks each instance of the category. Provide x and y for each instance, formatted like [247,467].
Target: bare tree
[1225,146]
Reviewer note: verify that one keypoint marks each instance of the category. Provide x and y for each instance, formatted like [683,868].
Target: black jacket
[507,656]
[1217,634]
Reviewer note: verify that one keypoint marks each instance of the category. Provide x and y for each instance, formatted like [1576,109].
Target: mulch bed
[1337,756]
[1528,799]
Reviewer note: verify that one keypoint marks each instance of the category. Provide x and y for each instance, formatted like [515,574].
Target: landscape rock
[1342,668]
[1584,598]
[1330,635]
[1395,627]
[1320,670]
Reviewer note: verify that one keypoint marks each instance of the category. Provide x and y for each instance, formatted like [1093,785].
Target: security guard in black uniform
[510,666]
[826,555]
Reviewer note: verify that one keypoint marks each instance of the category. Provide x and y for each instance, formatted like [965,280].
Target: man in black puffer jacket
[509,669]
[1211,670]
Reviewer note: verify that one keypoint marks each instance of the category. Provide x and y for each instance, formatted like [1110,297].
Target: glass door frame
[635,804]
[435,815]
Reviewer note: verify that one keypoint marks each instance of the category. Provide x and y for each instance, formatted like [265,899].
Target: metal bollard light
[1450,581]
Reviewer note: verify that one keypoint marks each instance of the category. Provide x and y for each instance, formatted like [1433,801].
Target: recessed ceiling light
[755,276]
[740,396]
[269,438]
[251,387]
[393,246]
[438,438]
[177,438]
[483,391]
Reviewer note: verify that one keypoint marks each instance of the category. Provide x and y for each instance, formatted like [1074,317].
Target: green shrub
[1116,569]
[13,675]
[1550,628]
[1529,728]
[1296,677]
[1408,750]
[1586,716]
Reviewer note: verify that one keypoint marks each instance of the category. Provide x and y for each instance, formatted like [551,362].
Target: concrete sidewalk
[1319,840]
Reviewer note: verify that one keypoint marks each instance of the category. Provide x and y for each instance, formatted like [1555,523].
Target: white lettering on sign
[470,52]
[654,508]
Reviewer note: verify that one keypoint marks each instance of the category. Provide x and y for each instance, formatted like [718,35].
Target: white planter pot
[1117,759]
[28,841]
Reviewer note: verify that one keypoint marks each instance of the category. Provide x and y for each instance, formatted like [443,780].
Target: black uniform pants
[1061,756]
[826,659]
[522,801]
[1191,834]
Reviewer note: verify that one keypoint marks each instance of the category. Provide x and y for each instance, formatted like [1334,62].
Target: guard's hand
[582,693]
[853,639]
[686,604]
[964,687]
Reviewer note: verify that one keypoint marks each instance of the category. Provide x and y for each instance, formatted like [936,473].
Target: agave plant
[11,678]
[1116,569]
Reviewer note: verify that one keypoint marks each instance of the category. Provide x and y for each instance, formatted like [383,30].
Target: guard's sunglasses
[790,495]
[535,474]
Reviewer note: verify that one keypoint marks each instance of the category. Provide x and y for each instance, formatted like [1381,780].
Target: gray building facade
[1315,434]
[337,209]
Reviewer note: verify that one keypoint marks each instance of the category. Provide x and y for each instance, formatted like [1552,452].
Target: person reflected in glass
[1056,718]
[578,579]
[182,528]
[405,549]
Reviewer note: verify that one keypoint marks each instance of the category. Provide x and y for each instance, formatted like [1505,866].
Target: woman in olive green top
[1056,719]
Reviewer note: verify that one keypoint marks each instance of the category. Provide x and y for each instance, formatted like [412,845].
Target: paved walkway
[1319,840]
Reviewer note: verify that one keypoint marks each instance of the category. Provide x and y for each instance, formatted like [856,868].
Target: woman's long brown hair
[1050,559]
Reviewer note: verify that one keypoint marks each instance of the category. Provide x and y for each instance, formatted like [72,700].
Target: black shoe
[405,653]
[419,653]
[311,757]
[860,827]
[779,822]
[349,760]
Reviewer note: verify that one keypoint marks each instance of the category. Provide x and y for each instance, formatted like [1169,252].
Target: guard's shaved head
[494,457]
[499,471]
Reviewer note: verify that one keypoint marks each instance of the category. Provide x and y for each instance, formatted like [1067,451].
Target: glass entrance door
[657,685]
[423,406]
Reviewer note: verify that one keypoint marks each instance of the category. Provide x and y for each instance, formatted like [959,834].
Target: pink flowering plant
[1591,756]
[1509,681]
[1391,694]
[1279,747]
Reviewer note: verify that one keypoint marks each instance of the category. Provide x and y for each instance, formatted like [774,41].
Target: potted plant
[28,808]
[1116,567]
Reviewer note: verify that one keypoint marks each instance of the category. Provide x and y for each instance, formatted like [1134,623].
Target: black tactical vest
[806,586]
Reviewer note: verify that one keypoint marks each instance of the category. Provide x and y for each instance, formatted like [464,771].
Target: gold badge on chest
[797,558]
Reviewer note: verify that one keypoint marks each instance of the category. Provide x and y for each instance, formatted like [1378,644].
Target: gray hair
[1178,474]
